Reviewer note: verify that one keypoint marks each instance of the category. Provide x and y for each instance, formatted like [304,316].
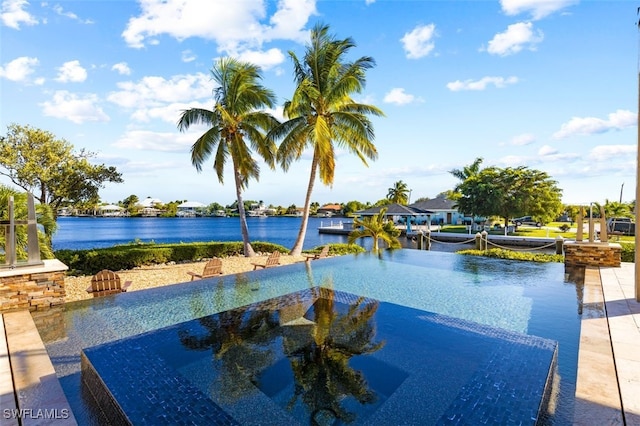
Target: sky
[547,84]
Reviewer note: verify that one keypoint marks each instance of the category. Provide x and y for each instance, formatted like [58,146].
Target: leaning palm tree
[377,227]
[399,193]
[321,114]
[237,117]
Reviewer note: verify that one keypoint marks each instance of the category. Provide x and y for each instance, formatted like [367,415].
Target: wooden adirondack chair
[272,260]
[211,269]
[107,282]
[313,256]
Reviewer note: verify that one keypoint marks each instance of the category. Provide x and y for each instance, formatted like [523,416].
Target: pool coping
[38,398]
[608,361]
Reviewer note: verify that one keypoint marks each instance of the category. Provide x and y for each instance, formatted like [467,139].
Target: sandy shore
[159,275]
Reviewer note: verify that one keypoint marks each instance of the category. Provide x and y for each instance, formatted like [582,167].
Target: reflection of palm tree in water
[240,340]
[319,352]
[320,361]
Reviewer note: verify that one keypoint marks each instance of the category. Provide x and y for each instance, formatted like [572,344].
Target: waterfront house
[444,211]
[190,209]
[329,210]
[111,210]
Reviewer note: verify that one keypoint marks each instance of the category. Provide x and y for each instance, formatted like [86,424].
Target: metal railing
[10,225]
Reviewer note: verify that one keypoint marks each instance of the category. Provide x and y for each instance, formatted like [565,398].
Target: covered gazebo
[396,209]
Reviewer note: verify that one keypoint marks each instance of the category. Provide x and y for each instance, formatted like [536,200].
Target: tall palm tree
[399,193]
[321,114]
[377,227]
[237,117]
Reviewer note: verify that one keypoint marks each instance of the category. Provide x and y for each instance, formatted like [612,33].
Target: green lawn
[551,230]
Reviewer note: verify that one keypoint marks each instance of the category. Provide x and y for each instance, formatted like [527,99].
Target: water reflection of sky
[514,296]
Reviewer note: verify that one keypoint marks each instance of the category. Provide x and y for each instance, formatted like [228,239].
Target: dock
[344,227]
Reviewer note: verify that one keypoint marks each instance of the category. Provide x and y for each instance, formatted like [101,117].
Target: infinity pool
[436,330]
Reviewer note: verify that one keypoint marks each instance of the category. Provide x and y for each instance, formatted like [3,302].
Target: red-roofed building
[329,210]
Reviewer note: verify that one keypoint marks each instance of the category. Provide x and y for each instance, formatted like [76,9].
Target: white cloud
[157,141]
[58,9]
[229,26]
[547,150]
[71,71]
[168,113]
[158,91]
[188,56]
[608,152]
[419,42]
[368,2]
[19,69]
[13,14]
[289,20]
[618,120]
[523,139]
[265,60]
[122,68]
[538,8]
[514,160]
[75,108]
[499,82]
[399,97]
[517,37]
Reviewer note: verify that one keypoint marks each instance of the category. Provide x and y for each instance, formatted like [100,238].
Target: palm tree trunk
[244,229]
[297,247]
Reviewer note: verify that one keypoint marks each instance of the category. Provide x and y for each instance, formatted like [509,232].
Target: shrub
[134,255]
[515,255]
[339,249]
[628,252]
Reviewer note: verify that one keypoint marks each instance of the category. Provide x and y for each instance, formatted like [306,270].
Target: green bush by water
[129,256]
[515,255]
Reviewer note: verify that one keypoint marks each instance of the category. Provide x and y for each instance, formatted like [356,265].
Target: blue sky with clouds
[548,84]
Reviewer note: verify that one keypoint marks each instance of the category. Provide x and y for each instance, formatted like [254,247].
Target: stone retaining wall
[33,288]
[592,254]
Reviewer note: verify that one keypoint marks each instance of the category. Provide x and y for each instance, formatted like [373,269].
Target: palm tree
[321,114]
[378,228]
[238,117]
[399,193]
[466,172]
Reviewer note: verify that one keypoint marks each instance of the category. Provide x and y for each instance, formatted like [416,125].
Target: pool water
[451,320]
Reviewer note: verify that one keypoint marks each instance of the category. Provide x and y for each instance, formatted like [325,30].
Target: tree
[479,194]
[376,227]
[510,192]
[528,192]
[44,216]
[130,203]
[466,172]
[238,117]
[351,207]
[399,193]
[321,114]
[617,209]
[49,168]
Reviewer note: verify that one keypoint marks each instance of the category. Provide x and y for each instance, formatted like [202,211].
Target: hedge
[134,255]
[129,256]
[515,255]
[628,252]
